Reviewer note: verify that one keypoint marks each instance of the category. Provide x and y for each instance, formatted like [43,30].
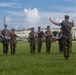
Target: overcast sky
[27,13]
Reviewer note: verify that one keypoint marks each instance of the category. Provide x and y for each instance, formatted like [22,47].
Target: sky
[20,14]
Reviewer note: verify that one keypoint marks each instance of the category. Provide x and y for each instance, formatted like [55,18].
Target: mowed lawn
[23,63]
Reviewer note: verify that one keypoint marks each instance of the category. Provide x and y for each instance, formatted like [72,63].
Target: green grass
[23,63]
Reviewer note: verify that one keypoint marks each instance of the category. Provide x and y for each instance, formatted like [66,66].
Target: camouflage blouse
[66,27]
[13,39]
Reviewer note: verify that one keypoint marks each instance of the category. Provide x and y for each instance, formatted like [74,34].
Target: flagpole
[4,20]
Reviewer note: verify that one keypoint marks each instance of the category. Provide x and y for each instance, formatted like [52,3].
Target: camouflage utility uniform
[60,41]
[67,37]
[5,33]
[39,41]
[13,43]
[48,41]
[32,41]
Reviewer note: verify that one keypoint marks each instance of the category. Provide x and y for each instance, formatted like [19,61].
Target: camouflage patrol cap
[5,25]
[67,16]
[32,28]
[13,29]
[39,27]
[48,26]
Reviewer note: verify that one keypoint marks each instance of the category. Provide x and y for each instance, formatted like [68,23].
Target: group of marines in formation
[64,38]
[8,36]
[39,37]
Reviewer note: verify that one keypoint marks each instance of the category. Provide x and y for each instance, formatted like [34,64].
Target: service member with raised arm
[67,36]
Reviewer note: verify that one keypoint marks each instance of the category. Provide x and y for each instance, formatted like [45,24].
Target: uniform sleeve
[72,24]
[2,32]
[42,33]
[9,32]
[45,33]
[61,23]
[29,34]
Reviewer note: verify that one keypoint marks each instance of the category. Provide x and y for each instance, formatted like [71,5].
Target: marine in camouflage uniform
[13,41]
[48,39]
[5,42]
[60,40]
[39,39]
[1,36]
[67,36]
[32,41]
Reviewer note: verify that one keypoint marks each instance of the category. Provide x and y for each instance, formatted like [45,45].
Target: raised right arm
[55,23]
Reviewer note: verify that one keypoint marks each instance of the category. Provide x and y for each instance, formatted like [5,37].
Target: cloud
[8,19]
[70,0]
[13,5]
[15,13]
[32,16]
[56,16]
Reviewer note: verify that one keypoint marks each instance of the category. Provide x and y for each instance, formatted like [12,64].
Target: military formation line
[64,38]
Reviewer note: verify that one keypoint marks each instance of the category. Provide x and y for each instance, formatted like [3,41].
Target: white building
[23,34]
[58,29]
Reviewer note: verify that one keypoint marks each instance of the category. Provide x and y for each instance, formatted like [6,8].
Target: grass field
[23,63]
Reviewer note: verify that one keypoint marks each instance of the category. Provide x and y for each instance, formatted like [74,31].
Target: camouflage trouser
[60,42]
[70,46]
[48,46]
[39,45]
[5,48]
[13,48]
[32,46]
[67,45]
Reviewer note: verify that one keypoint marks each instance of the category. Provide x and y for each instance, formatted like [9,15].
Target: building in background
[58,29]
[24,33]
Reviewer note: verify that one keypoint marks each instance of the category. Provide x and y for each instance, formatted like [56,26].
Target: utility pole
[4,20]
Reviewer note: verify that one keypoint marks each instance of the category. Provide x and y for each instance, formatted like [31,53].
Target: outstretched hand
[50,18]
[72,21]
[53,21]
